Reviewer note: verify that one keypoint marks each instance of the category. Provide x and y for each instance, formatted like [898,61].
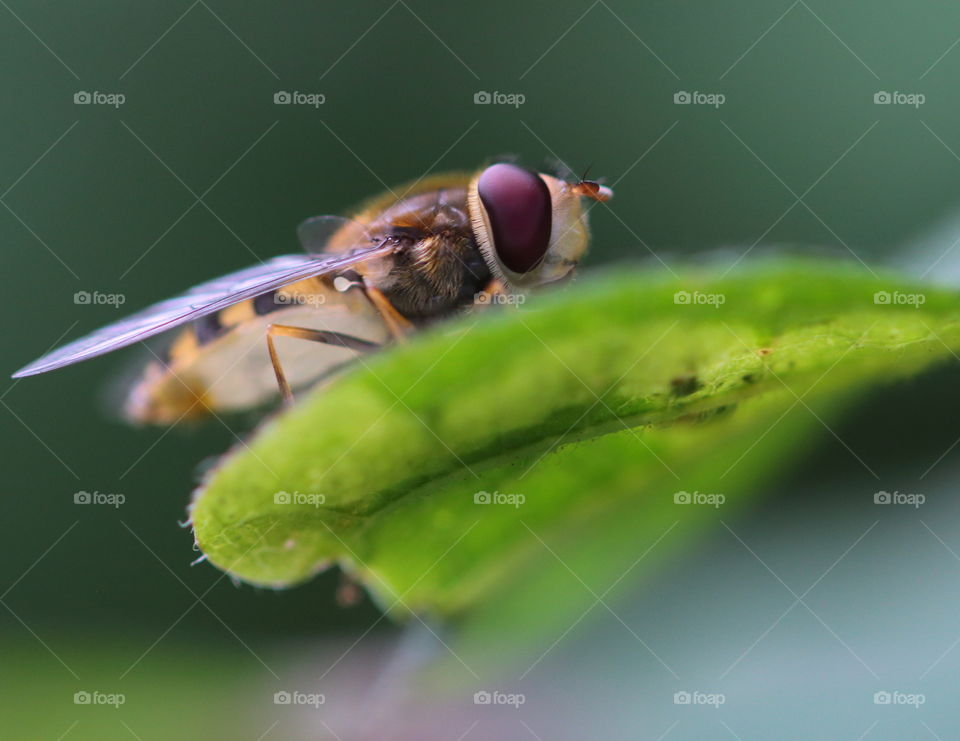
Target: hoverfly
[395,266]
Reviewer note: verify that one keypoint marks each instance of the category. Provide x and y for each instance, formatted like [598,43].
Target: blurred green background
[200,172]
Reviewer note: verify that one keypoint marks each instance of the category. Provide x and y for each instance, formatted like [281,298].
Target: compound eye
[519,212]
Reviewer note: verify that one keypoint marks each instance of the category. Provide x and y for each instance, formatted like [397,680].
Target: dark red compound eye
[518,208]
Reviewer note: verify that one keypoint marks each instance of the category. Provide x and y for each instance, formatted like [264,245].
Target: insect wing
[199,301]
[315,233]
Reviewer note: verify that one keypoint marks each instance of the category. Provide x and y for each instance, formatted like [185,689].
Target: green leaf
[596,404]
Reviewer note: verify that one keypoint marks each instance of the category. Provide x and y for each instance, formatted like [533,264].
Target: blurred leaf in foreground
[521,463]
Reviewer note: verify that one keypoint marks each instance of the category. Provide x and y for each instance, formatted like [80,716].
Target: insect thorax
[439,267]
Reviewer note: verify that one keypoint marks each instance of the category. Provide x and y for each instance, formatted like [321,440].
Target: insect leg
[396,322]
[314,335]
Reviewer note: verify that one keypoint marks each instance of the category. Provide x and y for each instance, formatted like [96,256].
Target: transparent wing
[199,301]
[315,232]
